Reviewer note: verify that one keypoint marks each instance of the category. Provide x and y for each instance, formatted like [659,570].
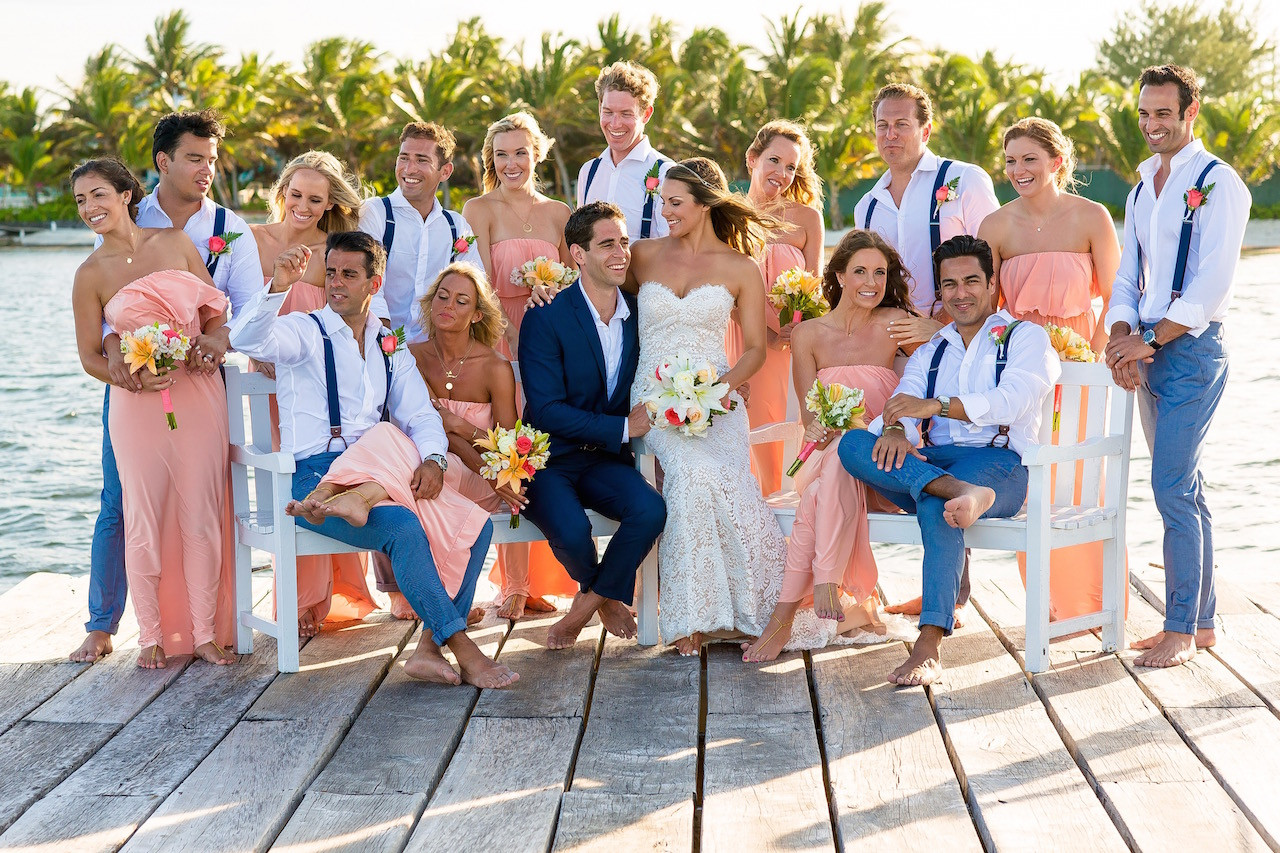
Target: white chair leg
[244,598]
[287,612]
[647,629]
[1037,645]
[1114,584]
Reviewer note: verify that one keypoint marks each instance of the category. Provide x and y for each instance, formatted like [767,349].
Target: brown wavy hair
[734,219]
[807,186]
[486,331]
[897,286]
[113,170]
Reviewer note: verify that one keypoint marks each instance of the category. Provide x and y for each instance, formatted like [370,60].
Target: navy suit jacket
[563,373]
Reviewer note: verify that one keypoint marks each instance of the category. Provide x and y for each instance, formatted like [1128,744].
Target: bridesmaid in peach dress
[783,184]
[515,223]
[173,480]
[828,587]
[1055,253]
[313,197]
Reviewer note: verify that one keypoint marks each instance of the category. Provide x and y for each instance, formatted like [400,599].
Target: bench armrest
[1090,448]
[780,431]
[277,463]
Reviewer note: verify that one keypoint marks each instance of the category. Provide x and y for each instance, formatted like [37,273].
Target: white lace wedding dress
[721,555]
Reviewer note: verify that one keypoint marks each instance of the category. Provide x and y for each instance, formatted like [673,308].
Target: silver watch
[946,405]
[440,460]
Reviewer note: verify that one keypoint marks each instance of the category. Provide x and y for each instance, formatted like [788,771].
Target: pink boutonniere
[1196,198]
[392,342]
[949,191]
[222,245]
[997,333]
[461,245]
[652,179]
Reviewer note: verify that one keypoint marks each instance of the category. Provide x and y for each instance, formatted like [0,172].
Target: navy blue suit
[562,369]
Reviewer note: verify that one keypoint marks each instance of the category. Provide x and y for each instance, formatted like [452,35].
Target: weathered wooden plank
[37,756]
[892,783]
[24,686]
[58,824]
[558,680]
[350,823]
[777,687]
[40,615]
[660,824]
[503,786]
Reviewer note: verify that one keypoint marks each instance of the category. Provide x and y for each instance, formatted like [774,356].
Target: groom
[577,361]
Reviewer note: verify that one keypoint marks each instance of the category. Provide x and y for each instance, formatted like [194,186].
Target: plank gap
[822,750]
[700,777]
[577,744]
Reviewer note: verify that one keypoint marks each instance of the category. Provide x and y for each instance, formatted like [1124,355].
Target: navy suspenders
[935,214]
[219,228]
[931,383]
[331,387]
[591,176]
[646,218]
[1184,238]
[871,209]
[389,229]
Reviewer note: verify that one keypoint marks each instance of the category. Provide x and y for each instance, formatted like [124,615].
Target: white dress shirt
[907,229]
[623,185]
[294,345]
[1156,223]
[611,336]
[969,375]
[420,248]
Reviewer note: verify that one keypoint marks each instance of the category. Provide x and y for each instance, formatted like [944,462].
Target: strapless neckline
[182,273]
[689,292]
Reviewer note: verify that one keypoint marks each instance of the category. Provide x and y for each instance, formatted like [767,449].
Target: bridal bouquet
[511,456]
[1070,345]
[835,406]
[797,294]
[156,347]
[685,395]
[545,272]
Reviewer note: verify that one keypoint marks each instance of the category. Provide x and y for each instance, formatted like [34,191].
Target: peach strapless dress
[506,255]
[386,456]
[174,481]
[829,541]
[1059,288]
[767,402]
[331,586]
[526,568]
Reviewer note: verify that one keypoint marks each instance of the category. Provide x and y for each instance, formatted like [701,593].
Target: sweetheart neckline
[690,291]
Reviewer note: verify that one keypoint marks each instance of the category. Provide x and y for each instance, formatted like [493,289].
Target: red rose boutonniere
[219,246]
[1197,198]
[652,179]
[997,333]
[392,342]
[950,191]
[461,245]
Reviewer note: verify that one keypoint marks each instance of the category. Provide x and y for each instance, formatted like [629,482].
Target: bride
[722,553]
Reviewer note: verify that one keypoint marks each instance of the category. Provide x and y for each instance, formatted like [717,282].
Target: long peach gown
[174,481]
[1059,288]
[529,569]
[330,586]
[829,541]
[388,457]
[767,403]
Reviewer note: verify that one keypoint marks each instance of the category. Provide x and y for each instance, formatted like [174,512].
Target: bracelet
[895,427]
[474,430]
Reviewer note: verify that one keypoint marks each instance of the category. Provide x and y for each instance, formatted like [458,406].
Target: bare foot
[924,664]
[428,664]
[964,510]
[1168,648]
[916,605]
[477,668]
[564,634]
[311,507]
[400,606]
[770,644]
[475,616]
[1205,638]
[353,505]
[215,654]
[96,645]
[152,657]
[690,645]
[307,625]
[618,619]
[512,607]
[826,602]
[539,605]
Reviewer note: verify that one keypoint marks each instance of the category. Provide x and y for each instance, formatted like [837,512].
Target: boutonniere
[392,342]
[950,191]
[219,246]
[1196,198]
[652,179]
[461,245]
[998,334]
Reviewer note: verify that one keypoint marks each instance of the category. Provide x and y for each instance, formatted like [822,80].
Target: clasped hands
[1125,352]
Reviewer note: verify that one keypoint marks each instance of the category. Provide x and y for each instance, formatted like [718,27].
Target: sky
[48,40]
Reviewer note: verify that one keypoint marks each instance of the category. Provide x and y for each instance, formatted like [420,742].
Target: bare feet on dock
[924,664]
[400,606]
[152,657]
[618,619]
[513,606]
[967,507]
[826,602]
[215,654]
[353,505]
[477,668]
[428,664]
[307,624]
[96,645]
[1168,648]
[769,645]
[475,616]
[690,645]
[564,634]
[915,605]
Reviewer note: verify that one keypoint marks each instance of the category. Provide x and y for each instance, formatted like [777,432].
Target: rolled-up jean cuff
[1206,624]
[1179,627]
[442,635]
[105,625]
[945,621]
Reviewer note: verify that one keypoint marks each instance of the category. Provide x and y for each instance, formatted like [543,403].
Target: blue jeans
[108,584]
[396,532]
[1181,390]
[997,468]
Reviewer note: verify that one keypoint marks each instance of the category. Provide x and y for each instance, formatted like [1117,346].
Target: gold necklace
[528,229]
[450,375]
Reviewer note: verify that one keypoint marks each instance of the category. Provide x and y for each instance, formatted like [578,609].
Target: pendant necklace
[528,229]
[451,375]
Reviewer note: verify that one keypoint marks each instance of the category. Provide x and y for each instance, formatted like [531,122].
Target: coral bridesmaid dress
[174,481]
[506,256]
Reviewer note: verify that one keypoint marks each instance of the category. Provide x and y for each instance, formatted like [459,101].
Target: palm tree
[103,114]
[169,59]
[26,152]
[339,100]
[554,89]
[1243,129]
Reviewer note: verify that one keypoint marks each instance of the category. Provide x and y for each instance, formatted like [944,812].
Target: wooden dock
[612,747]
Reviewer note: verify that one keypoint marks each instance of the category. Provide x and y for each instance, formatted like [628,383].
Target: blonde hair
[343,192]
[736,221]
[516,121]
[487,331]
[635,80]
[807,186]
[1050,137]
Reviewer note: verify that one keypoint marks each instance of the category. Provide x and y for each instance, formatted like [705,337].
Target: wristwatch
[1149,338]
[440,460]
[946,405]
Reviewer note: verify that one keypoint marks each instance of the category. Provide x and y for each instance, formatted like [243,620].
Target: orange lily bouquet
[797,294]
[543,271]
[1070,345]
[156,347]
[835,406]
[511,456]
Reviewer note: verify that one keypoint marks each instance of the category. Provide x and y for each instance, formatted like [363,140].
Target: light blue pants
[108,584]
[1180,392]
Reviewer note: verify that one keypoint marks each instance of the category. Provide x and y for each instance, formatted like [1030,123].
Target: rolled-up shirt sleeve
[259,332]
[1222,221]
[1124,290]
[1031,372]
[411,408]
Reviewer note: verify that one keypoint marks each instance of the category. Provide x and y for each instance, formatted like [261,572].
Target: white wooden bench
[262,523]
[1054,517]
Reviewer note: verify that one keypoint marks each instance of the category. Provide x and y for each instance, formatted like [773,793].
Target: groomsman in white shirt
[420,238]
[1183,228]
[184,150]
[629,171]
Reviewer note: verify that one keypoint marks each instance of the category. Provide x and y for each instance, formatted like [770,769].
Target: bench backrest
[1090,405]
[249,413]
